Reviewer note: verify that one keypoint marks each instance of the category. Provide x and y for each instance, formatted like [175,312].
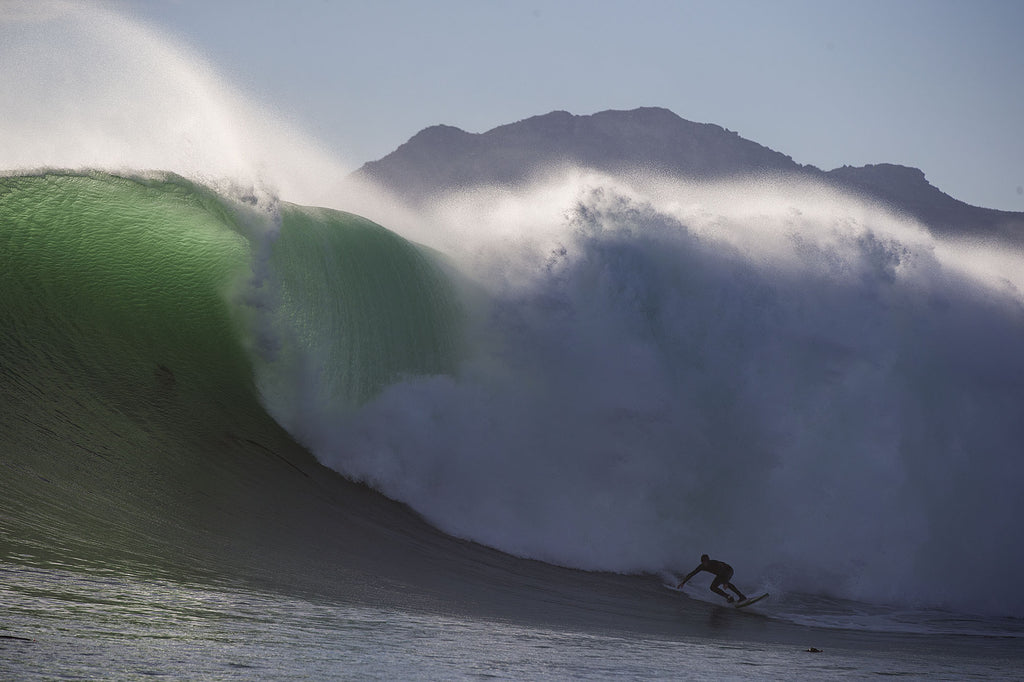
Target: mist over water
[788,378]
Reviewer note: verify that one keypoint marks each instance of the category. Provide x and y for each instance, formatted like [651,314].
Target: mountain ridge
[442,158]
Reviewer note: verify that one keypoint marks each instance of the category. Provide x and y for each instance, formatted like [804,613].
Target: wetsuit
[723,575]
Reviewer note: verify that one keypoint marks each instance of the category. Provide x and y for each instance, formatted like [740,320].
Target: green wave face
[122,373]
[130,321]
[121,278]
[356,308]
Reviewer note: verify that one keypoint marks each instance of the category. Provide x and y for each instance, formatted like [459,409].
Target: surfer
[723,576]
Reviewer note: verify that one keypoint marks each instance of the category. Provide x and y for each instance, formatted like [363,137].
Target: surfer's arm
[689,575]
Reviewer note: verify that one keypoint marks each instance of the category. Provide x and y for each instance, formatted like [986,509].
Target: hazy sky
[927,83]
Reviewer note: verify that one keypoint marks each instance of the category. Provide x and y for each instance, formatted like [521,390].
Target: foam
[799,382]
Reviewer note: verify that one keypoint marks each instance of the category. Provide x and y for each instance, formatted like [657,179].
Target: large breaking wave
[594,372]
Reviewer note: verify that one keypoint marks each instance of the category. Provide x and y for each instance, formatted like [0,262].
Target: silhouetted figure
[723,574]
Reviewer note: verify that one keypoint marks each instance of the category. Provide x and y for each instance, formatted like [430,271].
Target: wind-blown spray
[98,89]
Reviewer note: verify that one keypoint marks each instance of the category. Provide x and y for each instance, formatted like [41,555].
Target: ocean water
[245,438]
[118,626]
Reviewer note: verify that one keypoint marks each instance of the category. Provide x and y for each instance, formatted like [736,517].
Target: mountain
[908,190]
[443,158]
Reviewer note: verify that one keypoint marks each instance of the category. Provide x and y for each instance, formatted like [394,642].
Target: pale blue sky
[929,83]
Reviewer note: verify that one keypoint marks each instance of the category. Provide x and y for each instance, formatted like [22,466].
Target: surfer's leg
[717,589]
[738,593]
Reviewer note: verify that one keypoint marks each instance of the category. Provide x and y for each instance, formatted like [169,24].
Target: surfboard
[748,602]
[738,605]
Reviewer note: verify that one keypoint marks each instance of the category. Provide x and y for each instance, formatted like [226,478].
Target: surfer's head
[704,558]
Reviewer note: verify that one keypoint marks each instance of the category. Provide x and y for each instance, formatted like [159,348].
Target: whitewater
[261,421]
[764,369]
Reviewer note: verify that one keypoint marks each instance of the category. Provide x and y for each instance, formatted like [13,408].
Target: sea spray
[132,99]
[791,379]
